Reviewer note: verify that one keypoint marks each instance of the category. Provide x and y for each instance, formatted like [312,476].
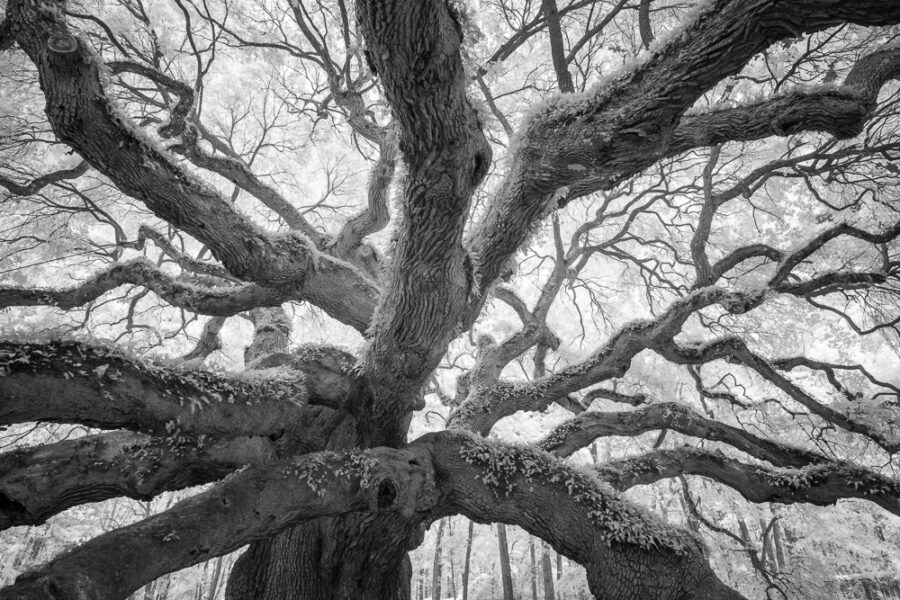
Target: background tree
[731,187]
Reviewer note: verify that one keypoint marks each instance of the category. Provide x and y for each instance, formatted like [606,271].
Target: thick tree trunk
[329,559]
[355,556]
[360,556]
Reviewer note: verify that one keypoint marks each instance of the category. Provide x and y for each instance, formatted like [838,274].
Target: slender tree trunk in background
[557,50]
[779,546]
[559,573]
[163,593]
[547,567]
[436,569]
[148,590]
[745,531]
[644,23]
[214,583]
[505,571]
[465,573]
[452,581]
[768,551]
[534,586]
[691,521]
[198,588]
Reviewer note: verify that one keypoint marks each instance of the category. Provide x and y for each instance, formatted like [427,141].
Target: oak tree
[659,166]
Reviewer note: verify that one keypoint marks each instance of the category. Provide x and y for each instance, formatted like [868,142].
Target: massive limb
[68,382]
[249,505]
[429,279]
[39,482]
[578,144]
[83,116]
[628,554]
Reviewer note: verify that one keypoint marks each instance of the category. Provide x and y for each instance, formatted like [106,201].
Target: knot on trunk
[63,49]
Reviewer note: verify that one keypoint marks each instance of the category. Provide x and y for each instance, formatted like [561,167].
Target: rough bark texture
[309,448]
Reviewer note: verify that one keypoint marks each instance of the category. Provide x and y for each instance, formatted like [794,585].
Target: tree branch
[735,349]
[578,432]
[83,116]
[39,482]
[577,144]
[67,382]
[840,111]
[38,183]
[184,261]
[487,404]
[429,278]
[580,517]
[7,39]
[250,505]
[218,301]
[208,343]
[375,217]
[821,484]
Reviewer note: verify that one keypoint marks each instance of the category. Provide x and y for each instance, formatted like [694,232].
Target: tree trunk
[768,550]
[214,583]
[505,572]
[779,546]
[329,559]
[547,565]
[534,586]
[452,580]
[436,569]
[163,592]
[465,574]
[354,556]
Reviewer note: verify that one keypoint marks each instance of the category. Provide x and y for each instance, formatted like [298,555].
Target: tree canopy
[458,243]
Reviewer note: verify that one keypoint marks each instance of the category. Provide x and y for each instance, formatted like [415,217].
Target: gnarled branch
[625,551]
[83,116]
[39,482]
[38,183]
[218,301]
[821,484]
[249,505]
[66,382]
[578,432]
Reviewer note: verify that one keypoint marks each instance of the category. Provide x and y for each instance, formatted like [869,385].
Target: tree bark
[547,570]
[466,563]
[505,571]
[436,569]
